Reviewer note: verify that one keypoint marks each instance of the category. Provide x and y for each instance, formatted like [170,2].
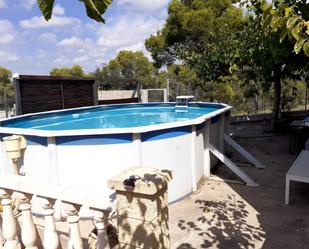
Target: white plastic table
[299,172]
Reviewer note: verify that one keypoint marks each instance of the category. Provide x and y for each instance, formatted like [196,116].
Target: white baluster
[16,198]
[9,223]
[28,229]
[58,210]
[100,224]
[75,239]
[51,239]
[2,239]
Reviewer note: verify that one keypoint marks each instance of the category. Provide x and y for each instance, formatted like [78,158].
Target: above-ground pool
[84,147]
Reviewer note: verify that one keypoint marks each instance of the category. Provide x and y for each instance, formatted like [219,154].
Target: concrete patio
[231,215]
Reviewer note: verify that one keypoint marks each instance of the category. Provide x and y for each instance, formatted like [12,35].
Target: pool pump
[13,146]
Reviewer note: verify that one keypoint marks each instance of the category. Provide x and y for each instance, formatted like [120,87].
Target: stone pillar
[142,208]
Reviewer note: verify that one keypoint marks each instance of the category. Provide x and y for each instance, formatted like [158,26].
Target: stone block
[140,180]
[125,246]
[141,206]
[144,234]
[161,220]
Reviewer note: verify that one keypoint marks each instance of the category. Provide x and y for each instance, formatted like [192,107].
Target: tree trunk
[256,104]
[277,100]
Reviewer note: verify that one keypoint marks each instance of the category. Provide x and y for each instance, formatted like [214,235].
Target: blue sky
[30,45]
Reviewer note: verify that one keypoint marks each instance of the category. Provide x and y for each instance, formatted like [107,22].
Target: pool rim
[103,131]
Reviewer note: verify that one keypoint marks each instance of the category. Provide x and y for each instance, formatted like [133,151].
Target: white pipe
[137,150]
[243,152]
[53,160]
[247,179]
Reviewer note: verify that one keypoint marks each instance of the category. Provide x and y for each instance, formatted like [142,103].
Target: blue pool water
[124,116]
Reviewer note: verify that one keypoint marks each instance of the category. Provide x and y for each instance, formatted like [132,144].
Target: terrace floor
[231,215]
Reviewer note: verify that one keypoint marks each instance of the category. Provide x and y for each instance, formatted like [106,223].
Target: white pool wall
[87,161]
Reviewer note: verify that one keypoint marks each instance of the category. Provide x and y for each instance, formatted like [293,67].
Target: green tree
[6,89]
[132,65]
[214,39]
[75,71]
[210,39]
[201,34]
[291,20]
[293,94]
[274,56]
[94,8]
[182,80]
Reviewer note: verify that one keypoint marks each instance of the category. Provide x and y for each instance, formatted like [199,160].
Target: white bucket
[12,146]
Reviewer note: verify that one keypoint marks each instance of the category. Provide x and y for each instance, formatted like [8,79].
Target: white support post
[247,179]
[144,96]
[9,224]
[243,152]
[28,229]
[165,96]
[53,162]
[168,89]
[137,150]
[100,224]
[193,157]
[53,168]
[75,239]
[206,149]
[51,239]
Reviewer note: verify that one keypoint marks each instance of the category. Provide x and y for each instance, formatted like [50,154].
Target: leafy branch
[288,18]
[94,8]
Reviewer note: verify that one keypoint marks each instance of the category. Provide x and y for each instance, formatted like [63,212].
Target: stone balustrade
[28,237]
[141,206]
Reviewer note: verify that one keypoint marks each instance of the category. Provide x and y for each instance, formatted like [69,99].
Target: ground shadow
[284,226]
[222,224]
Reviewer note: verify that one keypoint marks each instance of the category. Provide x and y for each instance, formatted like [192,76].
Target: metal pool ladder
[182,103]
